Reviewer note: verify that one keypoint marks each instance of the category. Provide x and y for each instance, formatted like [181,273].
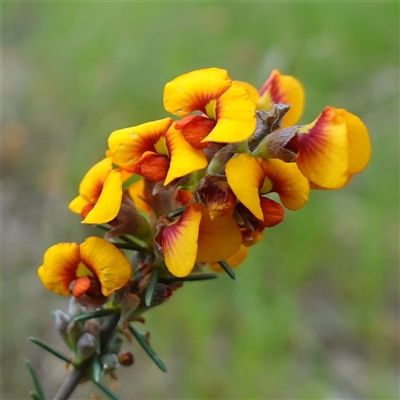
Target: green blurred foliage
[314,311]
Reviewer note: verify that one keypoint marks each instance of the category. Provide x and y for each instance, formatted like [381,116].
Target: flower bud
[281,144]
[74,332]
[86,346]
[126,358]
[74,308]
[61,321]
[109,362]
[92,326]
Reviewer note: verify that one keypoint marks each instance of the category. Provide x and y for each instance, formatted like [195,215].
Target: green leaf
[129,246]
[140,337]
[106,390]
[35,396]
[224,265]
[40,394]
[45,346]
[96,368]
[189,278]
[176,213]
[151,288]
[95,314]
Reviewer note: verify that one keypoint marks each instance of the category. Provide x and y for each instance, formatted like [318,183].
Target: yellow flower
[333,148]
[100,194]
[227,111]
[195,237]
[251,179]
[94,261]
[155,150]
[279,88]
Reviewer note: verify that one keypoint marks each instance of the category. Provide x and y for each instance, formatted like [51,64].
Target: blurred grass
[314,312]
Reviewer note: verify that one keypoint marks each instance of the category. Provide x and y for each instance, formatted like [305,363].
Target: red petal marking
[194,129]
[86,210]
[152,167]
[272,84]
[272,212]
[80,287]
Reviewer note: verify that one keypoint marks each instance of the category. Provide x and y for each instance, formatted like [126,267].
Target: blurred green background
[314,311]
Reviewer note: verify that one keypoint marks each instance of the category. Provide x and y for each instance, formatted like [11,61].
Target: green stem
[71,382]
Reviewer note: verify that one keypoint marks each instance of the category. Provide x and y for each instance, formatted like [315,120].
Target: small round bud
[74,332]
[109,362]
[126,358]
[92,326]
[86,346]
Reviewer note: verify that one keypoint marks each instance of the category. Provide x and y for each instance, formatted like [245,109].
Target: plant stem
[78,373]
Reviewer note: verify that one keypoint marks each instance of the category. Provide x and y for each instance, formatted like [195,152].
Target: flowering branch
[199,199]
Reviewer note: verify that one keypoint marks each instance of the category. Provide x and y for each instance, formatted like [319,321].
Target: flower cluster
[194,191]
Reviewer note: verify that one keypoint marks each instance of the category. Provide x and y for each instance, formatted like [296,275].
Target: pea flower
[100,194]
[328,151]
[195,237]
[279,88]
[96,267]
[227,113]
[263,177]
[155,150]
[333,148]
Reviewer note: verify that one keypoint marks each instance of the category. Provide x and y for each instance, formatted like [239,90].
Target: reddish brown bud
[126,358]
[153,167]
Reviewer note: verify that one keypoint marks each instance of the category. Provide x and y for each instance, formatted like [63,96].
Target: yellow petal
[359,142]
[291,185]
[59,267]
[218,239]
[109,202]
[107,262]
[323,156]
[77,204]
[127,145]
[179,242]
[184,158]
[233,261]
[235,116]
[136,191]
[92,183]
[253,92]
[245,177]
[194,90]
[283,89]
